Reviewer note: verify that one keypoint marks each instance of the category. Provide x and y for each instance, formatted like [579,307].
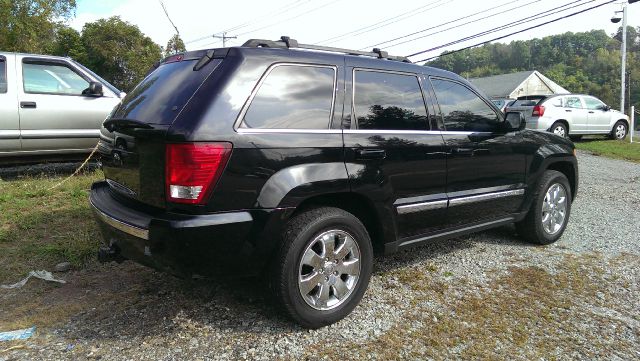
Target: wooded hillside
[586,62]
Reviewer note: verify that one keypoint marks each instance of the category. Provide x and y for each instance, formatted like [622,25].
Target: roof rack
[286,42]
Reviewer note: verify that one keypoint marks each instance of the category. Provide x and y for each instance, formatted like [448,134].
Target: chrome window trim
[423,206]
[485,197]
[237,124]
[119,225]
[287,130]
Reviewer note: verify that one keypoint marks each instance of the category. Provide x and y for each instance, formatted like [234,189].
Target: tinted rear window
[293,97]
[162,94]
[3,75]
[524,103]
[388,101]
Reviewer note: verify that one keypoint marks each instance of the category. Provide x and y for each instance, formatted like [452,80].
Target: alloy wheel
[554,208]
[329,270]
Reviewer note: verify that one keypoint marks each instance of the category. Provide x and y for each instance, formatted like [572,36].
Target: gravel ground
[485,296]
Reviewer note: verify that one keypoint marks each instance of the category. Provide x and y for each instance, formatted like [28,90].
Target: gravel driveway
[487,295]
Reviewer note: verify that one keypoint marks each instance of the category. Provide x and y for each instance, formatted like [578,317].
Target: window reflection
[3,76]
[462,109]
[388,101]
[50,78]
[292,96]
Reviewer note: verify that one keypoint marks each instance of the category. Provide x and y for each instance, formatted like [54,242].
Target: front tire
[619,131]
[323,267]
[549,213]
[559,128]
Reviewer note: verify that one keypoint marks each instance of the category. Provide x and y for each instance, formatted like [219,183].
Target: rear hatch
[132,147]
[525,105]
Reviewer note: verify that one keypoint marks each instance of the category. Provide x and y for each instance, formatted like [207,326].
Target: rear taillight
[538,111]
[192,170]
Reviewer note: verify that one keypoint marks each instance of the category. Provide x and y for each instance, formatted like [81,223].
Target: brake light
[192,170]
[538,111]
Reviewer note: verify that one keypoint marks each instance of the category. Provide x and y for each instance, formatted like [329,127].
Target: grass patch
[40,227]
[612,149]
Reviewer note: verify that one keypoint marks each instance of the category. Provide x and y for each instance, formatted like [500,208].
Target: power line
[454,21]
[290,18]
[516,32]
[411,13]
[281,10]
[521,21]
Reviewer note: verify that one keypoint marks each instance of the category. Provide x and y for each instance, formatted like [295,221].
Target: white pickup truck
[51,105]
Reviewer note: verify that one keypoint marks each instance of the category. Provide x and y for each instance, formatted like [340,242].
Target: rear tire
[549,213]
[323,267]
[559,128]
[619,130]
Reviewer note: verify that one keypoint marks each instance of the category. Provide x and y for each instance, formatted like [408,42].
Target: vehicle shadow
[19,171]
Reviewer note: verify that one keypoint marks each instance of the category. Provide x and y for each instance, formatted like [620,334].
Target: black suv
[274,159]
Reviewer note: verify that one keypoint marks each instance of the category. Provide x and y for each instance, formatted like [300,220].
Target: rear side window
[3,75]
[572,102]
[293,97]
[388,101]
[556,102]
[52,78]
[462,109]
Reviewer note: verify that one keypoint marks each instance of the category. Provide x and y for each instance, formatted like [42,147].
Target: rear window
[293,97]
[3,75]
[524,103]
[162,94]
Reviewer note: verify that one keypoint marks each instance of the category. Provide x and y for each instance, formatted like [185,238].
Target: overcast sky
[353,24]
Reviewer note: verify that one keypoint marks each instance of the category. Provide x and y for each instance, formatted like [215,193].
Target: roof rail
[286,42]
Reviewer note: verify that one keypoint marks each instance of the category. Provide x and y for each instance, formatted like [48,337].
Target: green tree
[30,25]
[119,51]
[174,45]
[68,43]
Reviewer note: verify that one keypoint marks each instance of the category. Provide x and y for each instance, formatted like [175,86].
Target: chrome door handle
[366,154]
[27,104]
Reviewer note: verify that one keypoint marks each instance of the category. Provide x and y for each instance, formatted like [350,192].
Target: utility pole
[224,38]
[624,55]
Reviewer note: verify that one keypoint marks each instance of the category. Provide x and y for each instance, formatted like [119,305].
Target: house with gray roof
[518,84]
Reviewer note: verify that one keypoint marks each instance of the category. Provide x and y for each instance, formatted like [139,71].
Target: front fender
[290,186]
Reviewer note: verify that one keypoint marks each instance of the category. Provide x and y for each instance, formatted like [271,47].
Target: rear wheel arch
[358,205]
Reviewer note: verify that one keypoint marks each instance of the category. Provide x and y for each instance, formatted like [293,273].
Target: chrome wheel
[559,130]
[554,208]
[621,131]
[329,270]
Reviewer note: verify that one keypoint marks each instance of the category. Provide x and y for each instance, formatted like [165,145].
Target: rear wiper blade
[114,124]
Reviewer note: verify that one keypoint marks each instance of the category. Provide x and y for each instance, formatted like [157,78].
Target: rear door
[9,120]
[598,118]
[391,152]
[575,113]
[485,167]
[54,114]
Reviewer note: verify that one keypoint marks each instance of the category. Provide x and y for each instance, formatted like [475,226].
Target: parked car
[502,103]
[270,159]
[572,115]
[50,105]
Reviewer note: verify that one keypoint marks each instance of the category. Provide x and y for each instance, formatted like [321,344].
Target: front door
[54,114]
[599,119]
[391,152]
[485,167]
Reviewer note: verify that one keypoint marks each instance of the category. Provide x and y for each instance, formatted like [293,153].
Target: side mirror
[514,121]
[94,89]
[605,107]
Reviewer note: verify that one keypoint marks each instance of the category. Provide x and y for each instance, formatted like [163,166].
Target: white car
[572,115]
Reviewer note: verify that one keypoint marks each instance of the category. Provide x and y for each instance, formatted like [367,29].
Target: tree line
[585,62]
[113,48]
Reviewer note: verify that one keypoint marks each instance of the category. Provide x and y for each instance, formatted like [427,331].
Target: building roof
[512,85]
